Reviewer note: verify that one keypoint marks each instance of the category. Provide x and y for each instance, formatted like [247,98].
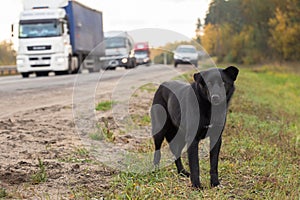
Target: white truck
[57,36]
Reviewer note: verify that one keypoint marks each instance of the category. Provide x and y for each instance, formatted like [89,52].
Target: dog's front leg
[194,163]
[214,157]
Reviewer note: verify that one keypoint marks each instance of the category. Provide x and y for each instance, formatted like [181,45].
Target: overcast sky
[179,16]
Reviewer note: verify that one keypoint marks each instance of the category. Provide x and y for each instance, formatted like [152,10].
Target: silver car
[186,54]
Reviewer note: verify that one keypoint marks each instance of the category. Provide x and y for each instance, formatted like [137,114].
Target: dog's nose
[215,99]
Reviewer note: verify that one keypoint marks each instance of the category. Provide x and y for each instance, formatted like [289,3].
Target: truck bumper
[112,62]
[142,61]
[43,62]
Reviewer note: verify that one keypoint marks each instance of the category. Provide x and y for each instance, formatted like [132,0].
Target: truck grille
[41,65]
[39,48]
[42,58]
[43,61]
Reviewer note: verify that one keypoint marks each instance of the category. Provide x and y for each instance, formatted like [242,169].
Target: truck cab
[53,37]
[119,50]
[44,42]
[142,53]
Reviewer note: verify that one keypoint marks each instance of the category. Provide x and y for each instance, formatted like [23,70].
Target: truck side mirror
[66,29]
[12,30]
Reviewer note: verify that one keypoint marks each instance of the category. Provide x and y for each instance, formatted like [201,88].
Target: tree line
[240,31]
[252,31]
[7,53]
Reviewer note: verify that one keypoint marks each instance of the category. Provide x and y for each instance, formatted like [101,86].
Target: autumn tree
[251,31]
[285,31]
[209,39]
[7,53]
[198,31]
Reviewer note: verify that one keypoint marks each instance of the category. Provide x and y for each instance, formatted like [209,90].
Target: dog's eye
[221,84]
[209,83]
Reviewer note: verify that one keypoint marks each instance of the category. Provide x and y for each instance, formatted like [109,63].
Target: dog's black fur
[186,113]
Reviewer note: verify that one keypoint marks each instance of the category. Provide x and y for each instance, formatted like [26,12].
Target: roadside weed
[41,175]
[104,105]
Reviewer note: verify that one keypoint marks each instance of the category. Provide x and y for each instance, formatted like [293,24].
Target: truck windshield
[141,53]
[40,28]
[114,42]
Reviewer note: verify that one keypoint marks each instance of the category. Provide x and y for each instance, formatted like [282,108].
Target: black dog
[186,113]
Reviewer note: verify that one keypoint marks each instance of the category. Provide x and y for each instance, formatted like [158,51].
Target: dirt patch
[132,130]
[68,171]
[42,154]
[47,134]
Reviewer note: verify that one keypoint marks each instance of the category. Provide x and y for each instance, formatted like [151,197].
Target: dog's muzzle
[215,99]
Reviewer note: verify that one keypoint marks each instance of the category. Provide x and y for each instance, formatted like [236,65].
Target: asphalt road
[18,94]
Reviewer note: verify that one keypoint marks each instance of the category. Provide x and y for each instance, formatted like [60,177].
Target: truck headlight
[60,59]
[20,62]
[124,60]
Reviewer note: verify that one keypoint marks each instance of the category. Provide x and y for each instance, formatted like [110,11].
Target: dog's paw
[197,186]
[156,166]
[184,173]
[215,183]
[220,186]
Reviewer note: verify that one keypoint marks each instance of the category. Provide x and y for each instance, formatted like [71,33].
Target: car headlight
[176,56]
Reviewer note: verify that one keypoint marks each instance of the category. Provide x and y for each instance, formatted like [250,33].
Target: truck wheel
[70,70]
[134,64]
[131,64]
[25,75]
[59,73]
[91,70]
[75,65]
[42,73]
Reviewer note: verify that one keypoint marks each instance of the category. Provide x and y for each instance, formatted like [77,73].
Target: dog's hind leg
[158,140]
[159,128]
[176,145]
[180,168]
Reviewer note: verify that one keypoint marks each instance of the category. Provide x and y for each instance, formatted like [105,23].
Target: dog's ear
[198,78]
[232,72]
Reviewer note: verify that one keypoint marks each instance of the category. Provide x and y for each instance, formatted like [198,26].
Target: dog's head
[217,85]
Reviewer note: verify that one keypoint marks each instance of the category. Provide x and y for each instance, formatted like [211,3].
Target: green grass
[103,132]
[144,120]
[3,192]
[104,106]
[41,175]
[150,87]
[79,155]
[260,154]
